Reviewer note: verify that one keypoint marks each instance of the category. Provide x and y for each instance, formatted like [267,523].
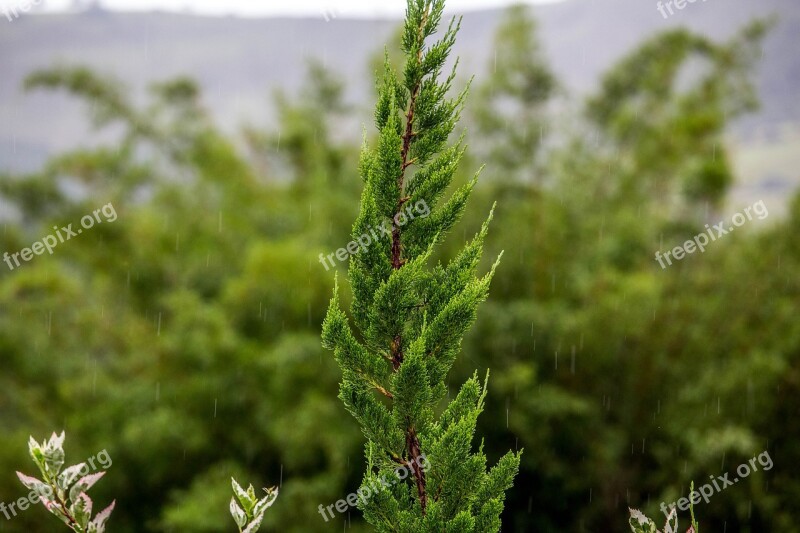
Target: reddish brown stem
[412,442]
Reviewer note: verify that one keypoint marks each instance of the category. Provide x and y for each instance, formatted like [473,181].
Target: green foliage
[665,107]
[248,513]
[411,320]
[62,491]
[590,338]
[510,113]
[205,306]
[641,524]
[190,326]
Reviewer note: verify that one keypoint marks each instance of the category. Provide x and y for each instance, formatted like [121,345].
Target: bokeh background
[183,337]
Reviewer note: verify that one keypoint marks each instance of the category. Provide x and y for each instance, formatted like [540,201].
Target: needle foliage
[410,319]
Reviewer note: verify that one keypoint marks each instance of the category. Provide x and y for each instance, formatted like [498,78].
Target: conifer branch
[383,391]
[412,443]
[412,317]
[408,136]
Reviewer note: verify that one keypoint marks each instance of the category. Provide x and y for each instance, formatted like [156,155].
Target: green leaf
[37,453]
[84,484]
[640,523]
[69,475]
[243,496]
[53,453]
[266,502]
[81,510]
[672,521]
[41,488]
[98,524]
[238,514]
[255,524]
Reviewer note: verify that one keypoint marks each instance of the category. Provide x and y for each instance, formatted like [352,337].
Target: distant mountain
[238,61]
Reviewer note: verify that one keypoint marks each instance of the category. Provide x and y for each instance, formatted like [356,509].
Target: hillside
[239,61]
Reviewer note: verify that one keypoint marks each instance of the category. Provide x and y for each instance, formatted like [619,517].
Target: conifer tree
[409,319]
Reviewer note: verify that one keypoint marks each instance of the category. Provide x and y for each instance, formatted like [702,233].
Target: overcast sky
[313,8]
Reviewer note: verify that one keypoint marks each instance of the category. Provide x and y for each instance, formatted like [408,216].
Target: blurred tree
[663,110]
[310,150]
[182,337]
[581,326]
[208,365]
[510,106]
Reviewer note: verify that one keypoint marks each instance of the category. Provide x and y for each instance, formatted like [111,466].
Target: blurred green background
[184,336]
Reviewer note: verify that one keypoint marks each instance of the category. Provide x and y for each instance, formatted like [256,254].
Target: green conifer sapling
[411,319]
